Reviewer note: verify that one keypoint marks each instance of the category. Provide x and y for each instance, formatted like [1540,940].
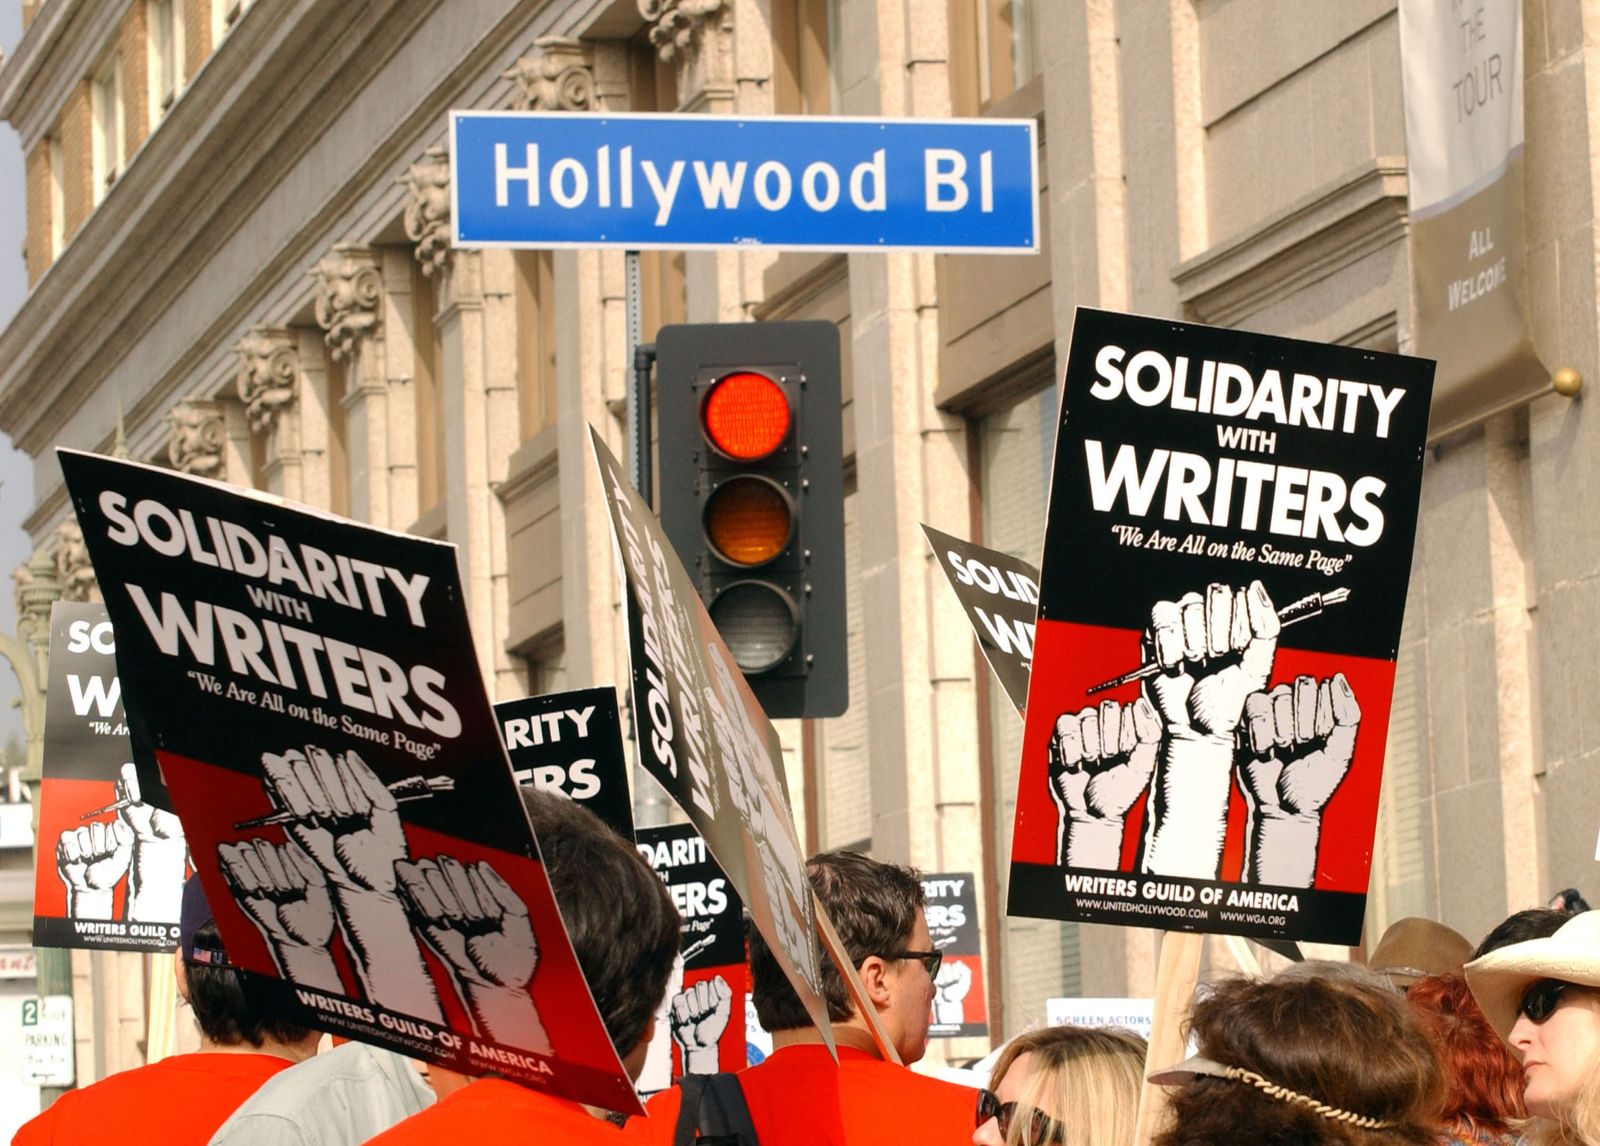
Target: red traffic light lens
[749,520]
[746,416]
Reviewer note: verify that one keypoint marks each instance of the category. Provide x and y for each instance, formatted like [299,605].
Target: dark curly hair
[1348,1044]
[622,922]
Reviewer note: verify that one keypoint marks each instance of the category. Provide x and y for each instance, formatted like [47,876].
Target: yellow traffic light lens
[757,623]
[749,520]
[746,416]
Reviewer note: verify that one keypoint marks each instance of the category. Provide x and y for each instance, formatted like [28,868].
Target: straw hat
[1498,979]
[1414,947]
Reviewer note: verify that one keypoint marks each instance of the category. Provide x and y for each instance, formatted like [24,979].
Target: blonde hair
[1086,1078]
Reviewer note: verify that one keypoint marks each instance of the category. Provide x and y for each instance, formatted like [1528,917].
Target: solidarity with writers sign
[1000,594]
[310,692]
[110,866]
[1224,576]
[570,743]
[960,1000]
[703,737]
[700,1028]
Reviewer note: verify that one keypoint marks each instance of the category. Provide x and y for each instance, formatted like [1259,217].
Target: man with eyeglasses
[798,1095]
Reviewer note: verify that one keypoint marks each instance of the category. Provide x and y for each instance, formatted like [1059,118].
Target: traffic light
[752,497]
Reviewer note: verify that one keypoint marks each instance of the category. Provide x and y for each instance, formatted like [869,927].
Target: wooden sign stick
[161,1030]
[1176,973]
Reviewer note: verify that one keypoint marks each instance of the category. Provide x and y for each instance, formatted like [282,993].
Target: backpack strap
[713,1112]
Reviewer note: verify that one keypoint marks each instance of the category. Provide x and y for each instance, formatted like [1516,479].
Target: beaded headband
[1176,1075]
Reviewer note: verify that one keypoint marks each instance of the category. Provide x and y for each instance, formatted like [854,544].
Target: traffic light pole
[649,803]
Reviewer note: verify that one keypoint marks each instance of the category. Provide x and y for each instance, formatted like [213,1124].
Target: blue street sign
[695,181]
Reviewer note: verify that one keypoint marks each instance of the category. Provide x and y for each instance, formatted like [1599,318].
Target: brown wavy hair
[1482,1078]
[1346,1043]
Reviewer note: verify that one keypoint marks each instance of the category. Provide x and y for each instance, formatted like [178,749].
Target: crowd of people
[1430,1042]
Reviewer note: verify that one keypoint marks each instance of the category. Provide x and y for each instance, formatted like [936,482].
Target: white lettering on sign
[523,732]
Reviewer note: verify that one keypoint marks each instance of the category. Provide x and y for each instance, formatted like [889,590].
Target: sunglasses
[1541,999]
[1042,1129]
[930,960]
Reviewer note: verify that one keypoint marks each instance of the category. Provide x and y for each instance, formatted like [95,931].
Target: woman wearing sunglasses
[1063,1086]
[1543,997]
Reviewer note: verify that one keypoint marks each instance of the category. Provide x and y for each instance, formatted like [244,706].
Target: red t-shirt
[492,1110]
[173,1102]
[798,1097]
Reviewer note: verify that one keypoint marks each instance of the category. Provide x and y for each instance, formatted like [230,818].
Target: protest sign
[316,709]
[571,743]
[1000,594]
[960,999]
[1133,1015]
[1225,570]
[700,1028]
[109,867]
[705,739]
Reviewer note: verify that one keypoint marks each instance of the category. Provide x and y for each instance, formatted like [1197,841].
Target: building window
[58,197]
[106,108]
[225,16]
[1041,956]
[536,342]
[804,46]
[164,21]
[994,50]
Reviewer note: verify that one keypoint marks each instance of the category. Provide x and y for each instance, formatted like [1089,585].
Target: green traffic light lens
[758,623]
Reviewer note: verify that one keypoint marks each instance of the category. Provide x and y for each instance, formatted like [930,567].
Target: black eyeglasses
[930,960]
[1541,999]
[1042,1129]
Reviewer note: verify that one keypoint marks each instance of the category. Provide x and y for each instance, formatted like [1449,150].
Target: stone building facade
[237,242]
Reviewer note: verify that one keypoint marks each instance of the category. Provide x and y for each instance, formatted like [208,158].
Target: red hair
[1483,1079]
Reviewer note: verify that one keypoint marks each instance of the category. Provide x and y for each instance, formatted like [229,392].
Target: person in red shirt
[797,1096]
[183,1099]
[625,933]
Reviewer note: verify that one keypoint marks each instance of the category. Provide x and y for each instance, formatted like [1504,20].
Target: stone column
[311,411]
[268,384]
[349,310]
[697,37]
[459,323]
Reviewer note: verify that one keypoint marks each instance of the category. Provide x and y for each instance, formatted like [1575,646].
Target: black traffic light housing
[766,585]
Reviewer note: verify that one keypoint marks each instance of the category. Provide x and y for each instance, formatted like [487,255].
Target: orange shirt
[798,1097]
[492,1110]
[173,1102]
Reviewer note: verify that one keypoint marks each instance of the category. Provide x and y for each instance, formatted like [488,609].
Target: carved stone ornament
[676,26]
[73,568]
[197,437]
[269,369]
[350,289]
[428,208]
[557,75]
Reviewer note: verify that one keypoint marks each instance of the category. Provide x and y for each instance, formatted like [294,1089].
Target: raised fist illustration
[1214,650]
[1100,760]
[285,894]
[155,876]
[346,818]
[698,1016]
[91,860]
[482,931]
[950,989]
[1295,751]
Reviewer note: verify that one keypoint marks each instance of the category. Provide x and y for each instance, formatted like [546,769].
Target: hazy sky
[16,478]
